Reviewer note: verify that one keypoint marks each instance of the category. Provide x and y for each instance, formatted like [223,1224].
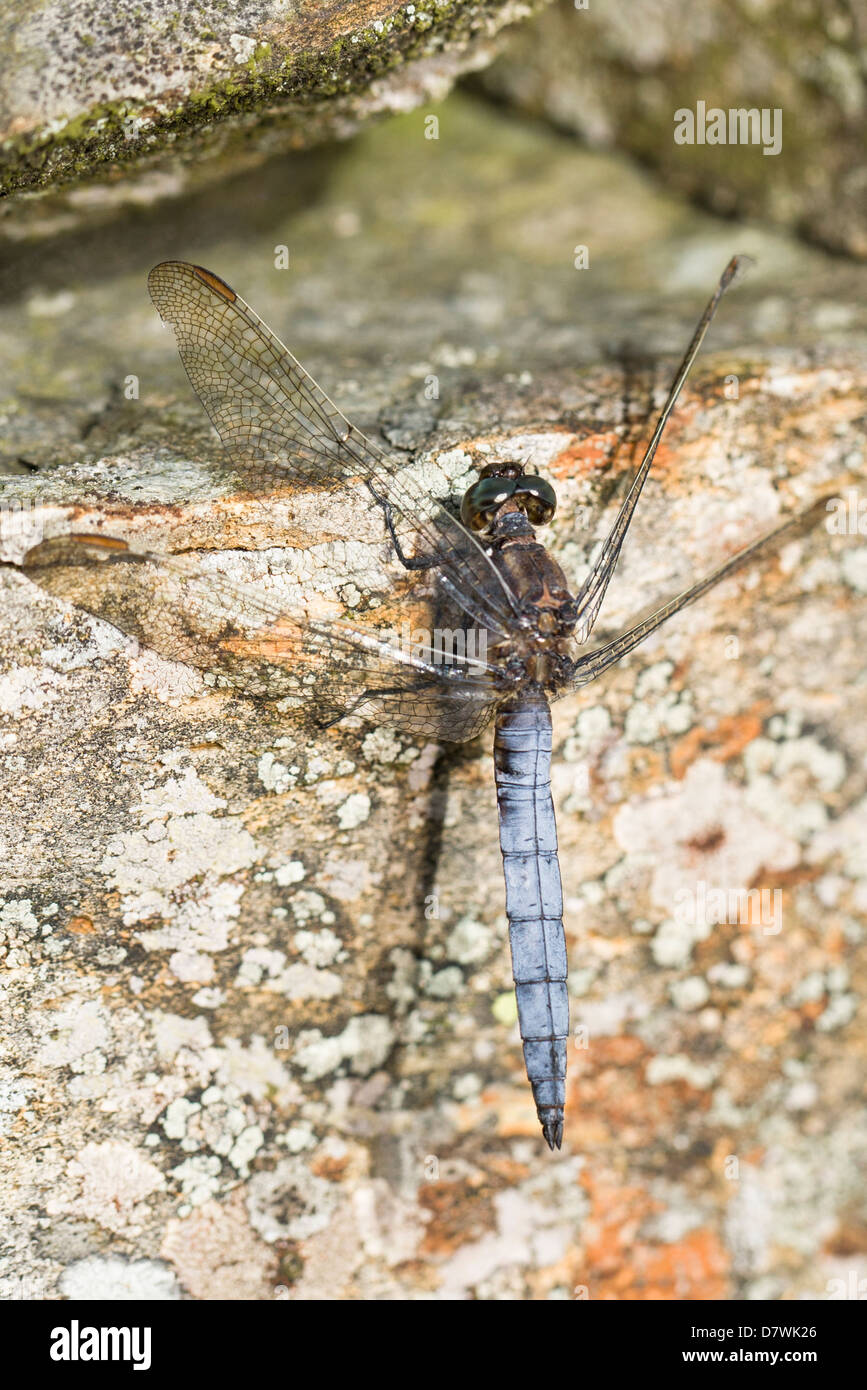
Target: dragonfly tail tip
[553,1132]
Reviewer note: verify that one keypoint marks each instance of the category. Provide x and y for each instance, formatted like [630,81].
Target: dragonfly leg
[409,562]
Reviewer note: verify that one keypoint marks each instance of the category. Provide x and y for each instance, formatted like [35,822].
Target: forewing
[272,416]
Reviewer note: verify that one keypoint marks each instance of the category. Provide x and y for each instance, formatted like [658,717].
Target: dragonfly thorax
[546,610]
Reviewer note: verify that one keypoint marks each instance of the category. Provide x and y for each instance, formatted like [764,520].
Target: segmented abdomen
[534,899]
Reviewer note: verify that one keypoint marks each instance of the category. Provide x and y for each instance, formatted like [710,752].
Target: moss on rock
[311,77]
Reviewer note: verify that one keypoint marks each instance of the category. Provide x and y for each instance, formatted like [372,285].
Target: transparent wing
[272,417]
[322,666]
[590,595]
[594,663]
[451,716]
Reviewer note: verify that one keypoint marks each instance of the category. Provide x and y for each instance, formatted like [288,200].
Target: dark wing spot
[215,283]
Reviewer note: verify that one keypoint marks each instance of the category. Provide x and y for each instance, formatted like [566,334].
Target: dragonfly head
[504,489]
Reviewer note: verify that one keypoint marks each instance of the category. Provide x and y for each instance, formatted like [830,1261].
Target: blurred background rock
[613,76]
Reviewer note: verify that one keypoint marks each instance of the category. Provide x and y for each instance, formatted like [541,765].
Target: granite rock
[257,994]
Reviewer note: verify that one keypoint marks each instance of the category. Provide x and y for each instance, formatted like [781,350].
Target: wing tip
[737,268]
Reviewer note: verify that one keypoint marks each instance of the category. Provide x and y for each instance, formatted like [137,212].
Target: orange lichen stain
[276,643]
[81,926]
[606,948]
[502,1169]
[616,1215]
[460,1212]
[727,740]
[607,1095]
[810,1011]
[850,1238]
[620,1051]
[667,460]
[695,1268]
[620,1264]
[330,1167]
[645,768]
[513,1106]
[834,942]
[777,1031]
[586,455]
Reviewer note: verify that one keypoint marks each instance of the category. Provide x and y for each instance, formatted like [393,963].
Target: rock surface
[90,88]
[257,989]
[615,75]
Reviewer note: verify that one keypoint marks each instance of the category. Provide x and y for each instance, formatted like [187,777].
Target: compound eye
[481,501]
[537,499]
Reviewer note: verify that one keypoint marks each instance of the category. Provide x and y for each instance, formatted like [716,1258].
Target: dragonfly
[479,565]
